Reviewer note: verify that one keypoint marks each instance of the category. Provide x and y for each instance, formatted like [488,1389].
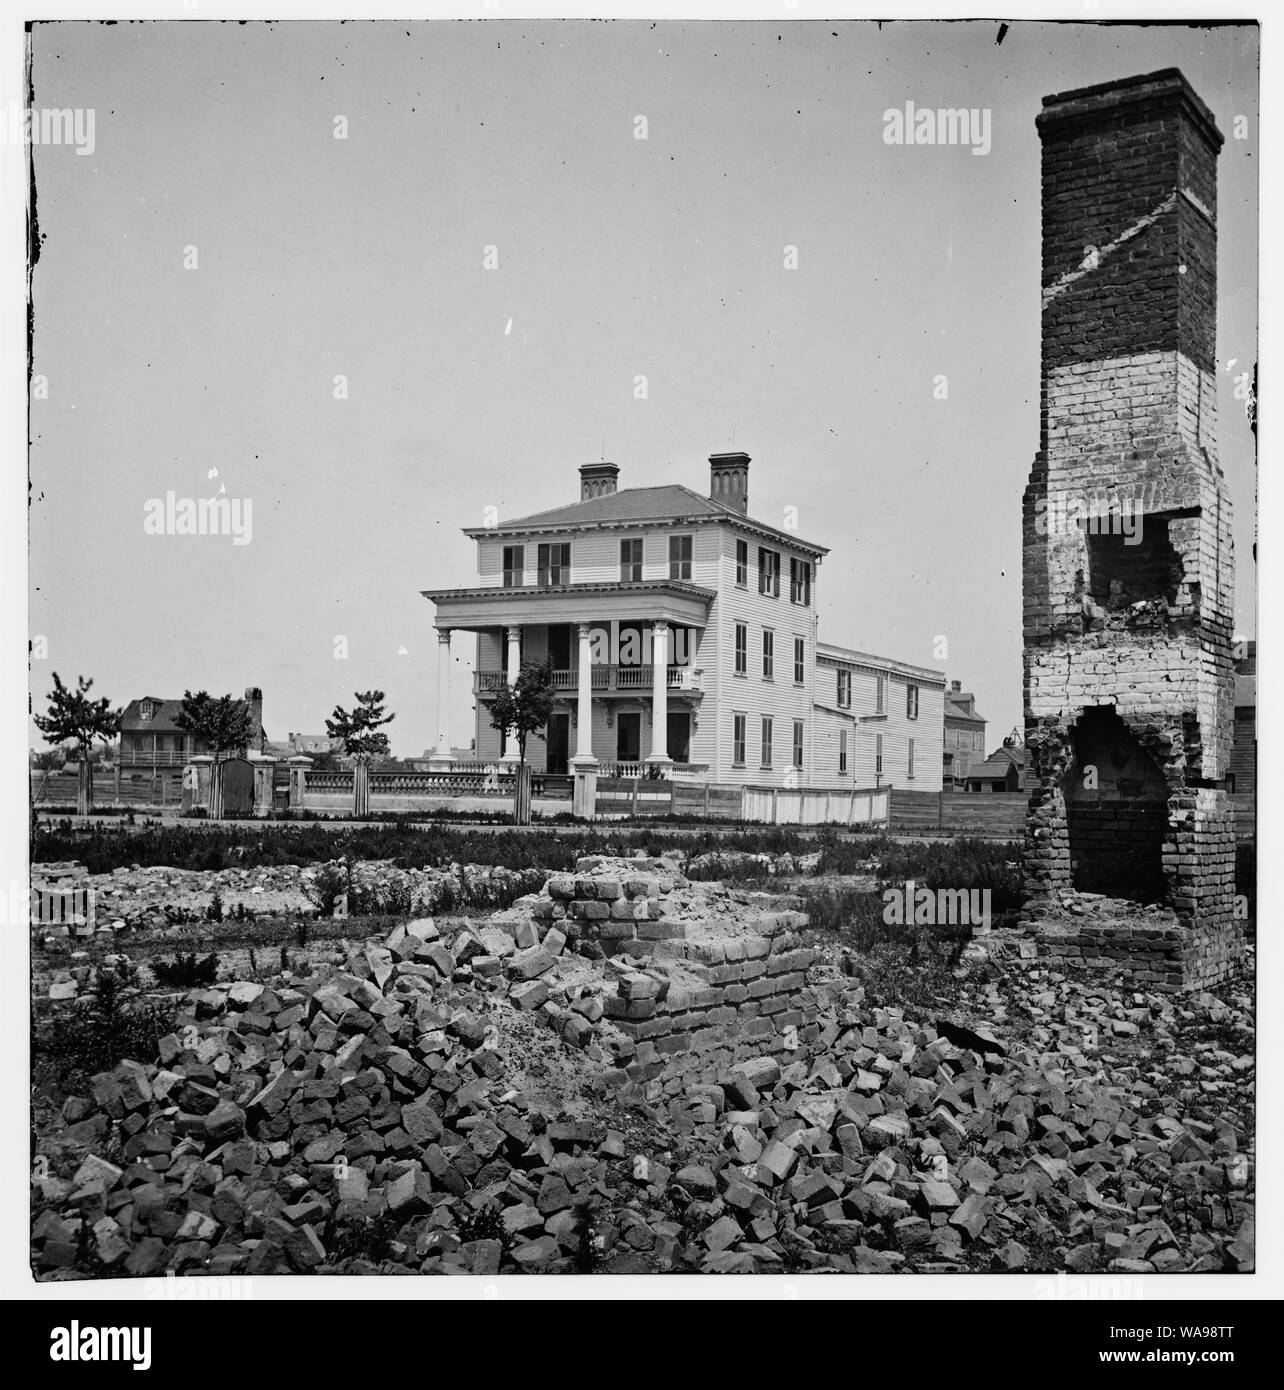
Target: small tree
[224,726]
[363,741]
[523,709]
[74,718]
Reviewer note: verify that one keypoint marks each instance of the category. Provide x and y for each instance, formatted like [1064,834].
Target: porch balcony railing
[603,678]
[149,757]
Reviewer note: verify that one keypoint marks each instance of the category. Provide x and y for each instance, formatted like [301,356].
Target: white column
[659,695]
[509,755]
[584,712]
[441,754]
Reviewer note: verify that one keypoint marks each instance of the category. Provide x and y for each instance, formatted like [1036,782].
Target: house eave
[757,528]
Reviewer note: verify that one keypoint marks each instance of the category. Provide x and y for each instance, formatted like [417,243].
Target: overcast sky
[618,258]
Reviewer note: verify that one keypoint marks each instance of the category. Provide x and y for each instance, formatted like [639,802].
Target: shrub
[186,971]
[327,887]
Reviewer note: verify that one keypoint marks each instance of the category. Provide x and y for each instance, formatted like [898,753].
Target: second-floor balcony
[605,679]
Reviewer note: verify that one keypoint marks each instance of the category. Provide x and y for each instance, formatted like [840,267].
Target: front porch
[626,656]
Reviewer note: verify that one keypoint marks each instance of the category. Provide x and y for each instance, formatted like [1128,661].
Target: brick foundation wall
[693,998]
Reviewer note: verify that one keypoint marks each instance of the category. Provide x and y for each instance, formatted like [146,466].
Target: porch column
[584,758]
[441,754]
[513,670]
[660,696]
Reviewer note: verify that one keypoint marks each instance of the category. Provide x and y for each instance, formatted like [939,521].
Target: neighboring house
[1002,771]
[964,736]
[1243,756]
[878,722]
[681,632]
[150,737]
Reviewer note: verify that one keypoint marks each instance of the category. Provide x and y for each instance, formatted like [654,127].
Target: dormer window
[145,711]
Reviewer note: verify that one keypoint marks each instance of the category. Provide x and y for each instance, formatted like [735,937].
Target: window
[842,750]
[799,732]
[679,557]
[911,701]
[766,740]
[145,712]
[878,754]
[768,654]
[738,723]
[800,660]
[909,759]
[514,566]
[769,572]
[800,581]
[844,690]
[630,561]
[880,694]
[742,564]
[554,565]
[742,649]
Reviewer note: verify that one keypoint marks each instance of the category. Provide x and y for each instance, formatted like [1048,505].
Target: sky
[468,388]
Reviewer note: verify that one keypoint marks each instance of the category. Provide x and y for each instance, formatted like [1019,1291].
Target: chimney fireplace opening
[1116,809]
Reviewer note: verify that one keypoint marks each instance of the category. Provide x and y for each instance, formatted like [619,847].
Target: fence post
[775,805]
[706,801]
[637,782]
[940,808]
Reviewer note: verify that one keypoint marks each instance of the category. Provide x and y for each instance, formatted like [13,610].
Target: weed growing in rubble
[486,1223]
[95,1035]
[370,1239]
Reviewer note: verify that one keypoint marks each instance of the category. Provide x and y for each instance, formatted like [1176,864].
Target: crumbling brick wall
[692,996]
[1127,618]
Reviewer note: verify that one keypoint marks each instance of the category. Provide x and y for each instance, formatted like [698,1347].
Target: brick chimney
[1128,566]
[254,698]
[729,480]
[598,480]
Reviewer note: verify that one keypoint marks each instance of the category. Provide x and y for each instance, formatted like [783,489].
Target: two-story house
[153,747]
[681,631]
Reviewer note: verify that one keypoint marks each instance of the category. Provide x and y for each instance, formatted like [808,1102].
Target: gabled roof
[163,717]
[995,768]
[668,502]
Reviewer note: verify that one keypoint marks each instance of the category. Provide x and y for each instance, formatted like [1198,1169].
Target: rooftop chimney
[729,480]
[598,479]
[254,698]
[956,685]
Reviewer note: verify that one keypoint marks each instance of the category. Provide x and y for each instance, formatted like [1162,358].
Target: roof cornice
[744,523]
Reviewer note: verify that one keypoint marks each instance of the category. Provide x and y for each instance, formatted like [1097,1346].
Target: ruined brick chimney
[1128,566]
[598,479]
[729,480]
